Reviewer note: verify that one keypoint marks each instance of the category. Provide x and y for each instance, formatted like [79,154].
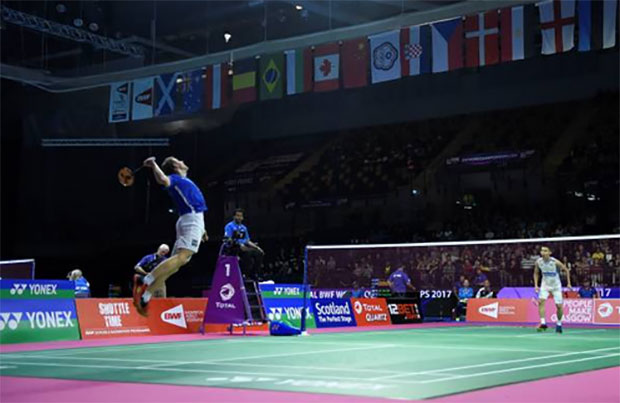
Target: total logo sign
[607,311]
[227,292]
[371,311]
[179,317]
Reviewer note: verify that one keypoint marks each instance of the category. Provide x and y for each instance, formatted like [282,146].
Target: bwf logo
[18,289]
[175,316]
[10,319]
[491,310]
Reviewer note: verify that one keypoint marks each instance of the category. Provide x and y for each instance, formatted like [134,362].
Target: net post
[305,294]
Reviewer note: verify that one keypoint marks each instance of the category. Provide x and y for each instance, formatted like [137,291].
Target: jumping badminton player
[190,227]
[550,284]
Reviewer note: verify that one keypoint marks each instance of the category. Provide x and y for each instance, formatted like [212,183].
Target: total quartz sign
[371,311]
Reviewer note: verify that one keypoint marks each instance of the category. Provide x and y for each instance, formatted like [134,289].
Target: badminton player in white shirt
[547,266]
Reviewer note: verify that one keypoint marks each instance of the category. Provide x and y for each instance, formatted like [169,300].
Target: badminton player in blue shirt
[190,227]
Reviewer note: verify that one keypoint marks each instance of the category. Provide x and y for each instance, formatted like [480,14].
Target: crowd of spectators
[593,160]
[439,267]
[372,160]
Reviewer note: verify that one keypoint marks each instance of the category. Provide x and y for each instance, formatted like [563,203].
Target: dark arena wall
[64,206]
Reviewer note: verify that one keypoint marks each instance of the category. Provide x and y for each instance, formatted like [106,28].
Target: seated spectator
[464,294]
[486,291]
[587,291]
[358,292]
[82,286]
[480,278]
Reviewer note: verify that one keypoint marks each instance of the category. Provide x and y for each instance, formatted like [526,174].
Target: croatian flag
[447,37]
[415,44]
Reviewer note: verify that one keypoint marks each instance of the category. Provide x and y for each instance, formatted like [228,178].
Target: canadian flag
[175,316]
[327,67]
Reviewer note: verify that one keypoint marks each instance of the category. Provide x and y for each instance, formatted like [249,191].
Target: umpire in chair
[238,243]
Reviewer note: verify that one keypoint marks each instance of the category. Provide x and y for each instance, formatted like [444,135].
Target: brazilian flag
[271,76]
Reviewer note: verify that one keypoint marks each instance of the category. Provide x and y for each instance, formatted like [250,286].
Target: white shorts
[190,228]
[555,290]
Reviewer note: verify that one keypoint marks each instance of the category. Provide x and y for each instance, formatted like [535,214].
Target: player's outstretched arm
[160,176]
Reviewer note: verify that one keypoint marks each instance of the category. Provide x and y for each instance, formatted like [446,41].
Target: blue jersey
[238,232]
[82,288]
[466,292]
[399,280]
[185,194]
[587,292]
[151,261]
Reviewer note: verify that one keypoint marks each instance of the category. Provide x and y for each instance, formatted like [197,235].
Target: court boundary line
[520,369]
[498,363]
[138,360]
[220,372]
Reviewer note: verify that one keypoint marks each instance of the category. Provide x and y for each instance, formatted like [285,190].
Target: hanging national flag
[217,86]
[385,56]
[165,87]
[120,100]
[355,63]
[597,24]
[244,81]
[447,45]
[482,39]
[298,71]
[416,50]
[271,76]
[327,67]
[190,90]
[142,105]
[557,23]
[517,32]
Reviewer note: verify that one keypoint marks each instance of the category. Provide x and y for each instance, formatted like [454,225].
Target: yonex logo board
[284,303]
[36,289]
[37,320]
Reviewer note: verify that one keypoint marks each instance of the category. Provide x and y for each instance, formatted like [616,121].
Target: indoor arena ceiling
[66,45]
